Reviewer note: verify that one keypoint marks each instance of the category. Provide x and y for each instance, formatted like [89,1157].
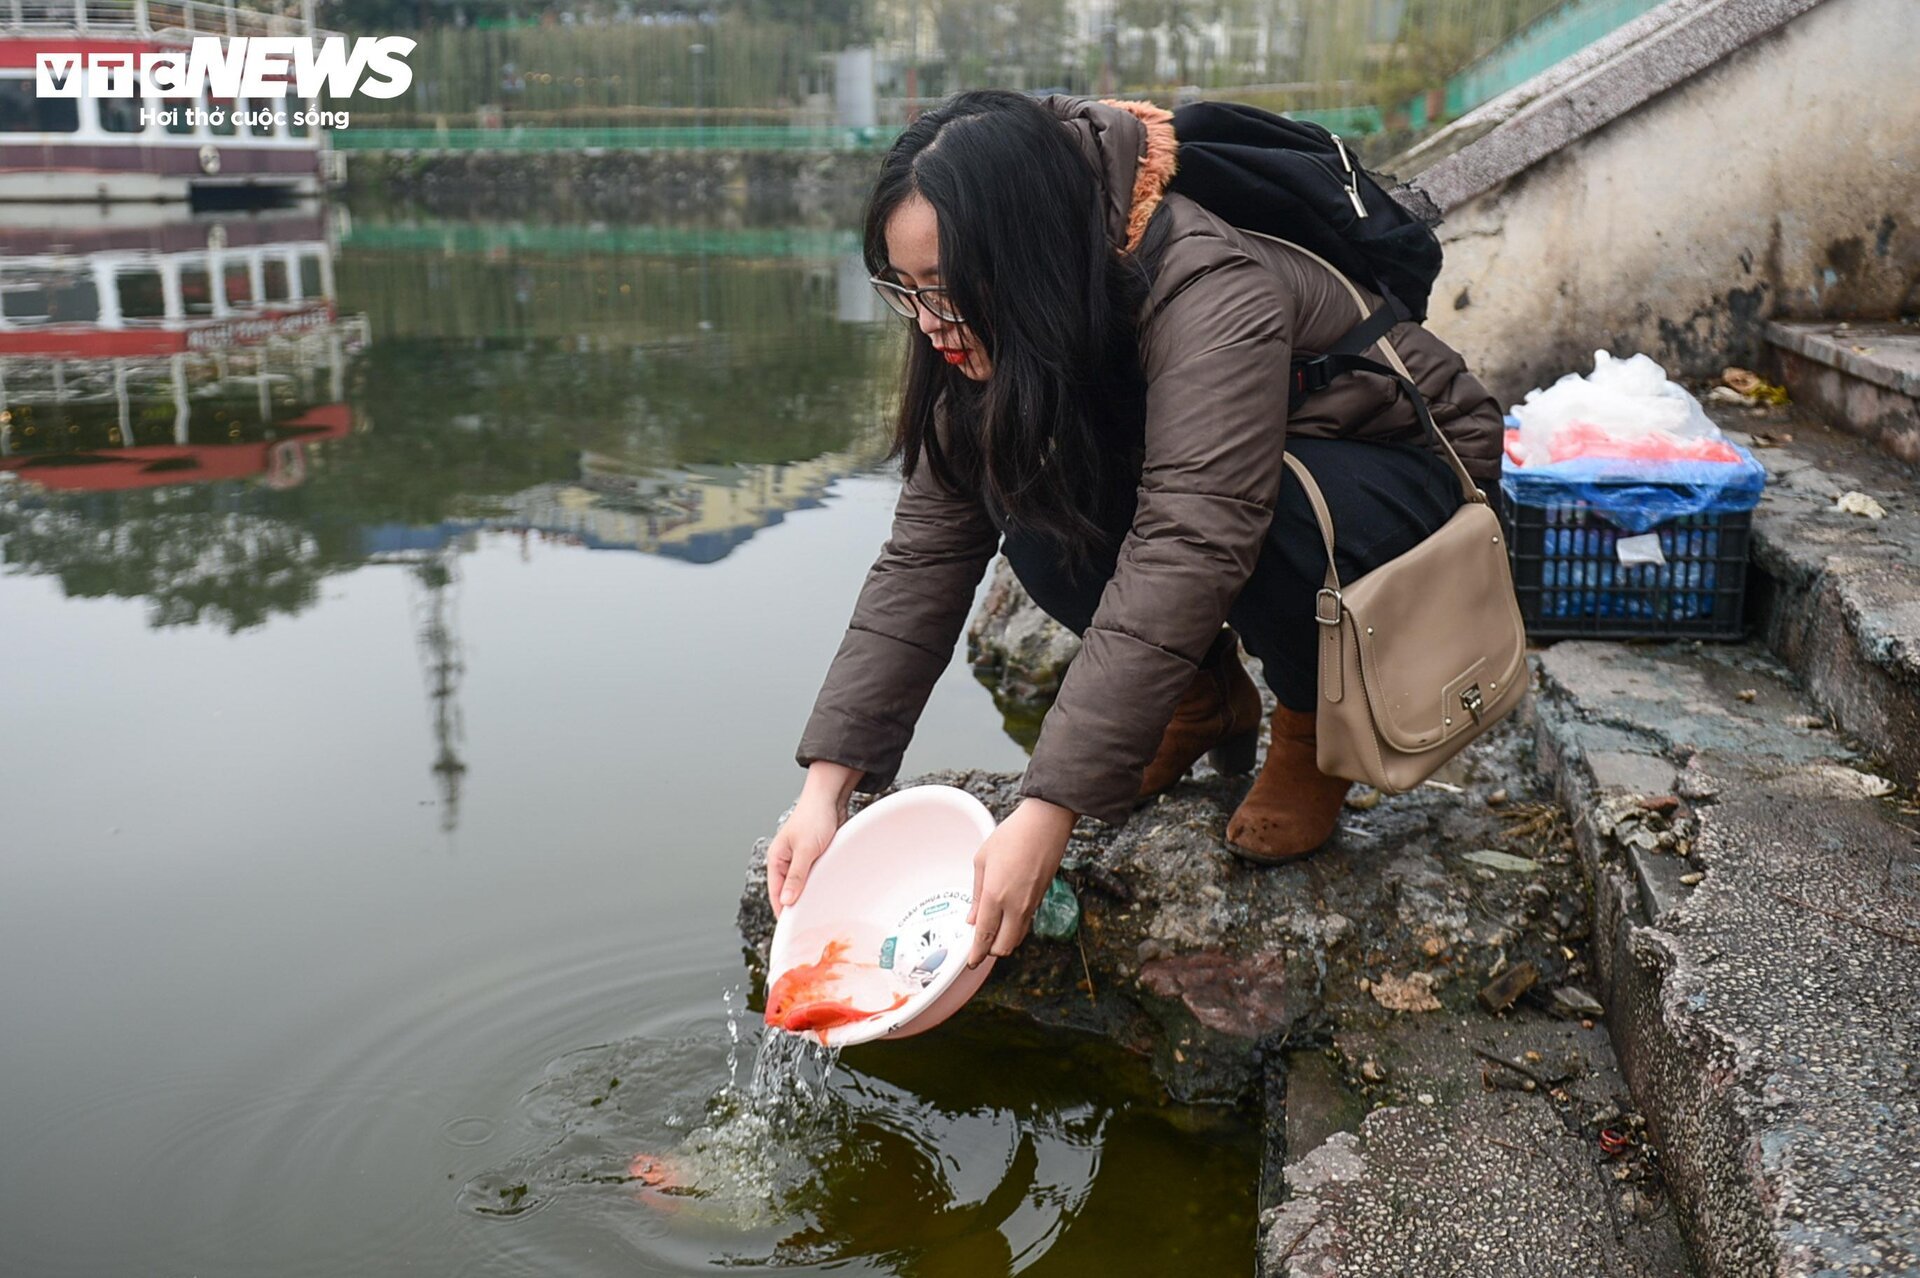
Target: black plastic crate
[1571,583]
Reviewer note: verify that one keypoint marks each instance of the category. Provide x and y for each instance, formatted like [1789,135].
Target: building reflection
[153,348]
[697,514]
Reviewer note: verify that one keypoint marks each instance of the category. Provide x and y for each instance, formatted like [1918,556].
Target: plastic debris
[1858,503]
[1849,782]
[1571,1000]
[1752,387]
[1647,824]
[1058,917]
[1629,443]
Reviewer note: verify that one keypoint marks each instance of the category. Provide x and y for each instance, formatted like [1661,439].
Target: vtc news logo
[256,66]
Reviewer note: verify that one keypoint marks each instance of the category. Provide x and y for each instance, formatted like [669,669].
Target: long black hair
[1025,257]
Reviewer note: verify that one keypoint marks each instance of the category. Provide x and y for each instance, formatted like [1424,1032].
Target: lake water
[390,704]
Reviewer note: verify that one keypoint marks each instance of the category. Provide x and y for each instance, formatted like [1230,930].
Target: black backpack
[1295,180]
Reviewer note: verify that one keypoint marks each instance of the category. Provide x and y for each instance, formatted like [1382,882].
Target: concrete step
[1490,1157]
[1861,377]
[1836,596]
[1756,908]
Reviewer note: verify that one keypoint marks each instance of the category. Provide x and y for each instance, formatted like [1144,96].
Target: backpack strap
[1469,490]
[1314,372]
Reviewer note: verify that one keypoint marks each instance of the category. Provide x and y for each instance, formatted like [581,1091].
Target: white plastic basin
[896,883]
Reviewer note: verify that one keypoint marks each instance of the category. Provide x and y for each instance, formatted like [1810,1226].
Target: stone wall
[761,187]
[1724,163]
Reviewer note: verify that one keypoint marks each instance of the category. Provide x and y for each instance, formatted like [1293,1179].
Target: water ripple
[596,1108]
[801,1166]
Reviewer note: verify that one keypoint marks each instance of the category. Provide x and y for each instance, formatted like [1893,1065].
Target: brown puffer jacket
[1225,312]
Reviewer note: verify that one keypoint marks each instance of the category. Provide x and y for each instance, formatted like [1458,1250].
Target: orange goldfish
[819,996]
[652,1171]
[657,1183]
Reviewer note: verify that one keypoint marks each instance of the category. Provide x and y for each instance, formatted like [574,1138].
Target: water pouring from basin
[874,948]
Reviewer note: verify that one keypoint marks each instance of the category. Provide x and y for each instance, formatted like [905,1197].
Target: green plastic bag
[1058,917]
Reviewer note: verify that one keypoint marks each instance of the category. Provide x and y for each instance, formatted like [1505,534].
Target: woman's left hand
[1011,872]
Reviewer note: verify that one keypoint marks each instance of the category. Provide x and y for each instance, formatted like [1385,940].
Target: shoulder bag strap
[1326,604]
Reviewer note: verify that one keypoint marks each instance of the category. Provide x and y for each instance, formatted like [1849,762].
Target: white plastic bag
[1627,399]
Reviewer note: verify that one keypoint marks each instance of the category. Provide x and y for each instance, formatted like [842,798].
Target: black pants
[1384,499]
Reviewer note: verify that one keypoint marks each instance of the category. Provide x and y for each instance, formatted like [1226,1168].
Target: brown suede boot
[1293,806]
[1218,716]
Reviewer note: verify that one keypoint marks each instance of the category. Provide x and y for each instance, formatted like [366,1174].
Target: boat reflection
[121,140]
[139,353]
[153,350]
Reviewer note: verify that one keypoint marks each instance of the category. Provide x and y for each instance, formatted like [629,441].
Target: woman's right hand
[816,818]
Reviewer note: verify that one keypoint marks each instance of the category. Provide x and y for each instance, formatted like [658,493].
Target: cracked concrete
[1837,596]
[1765,1001]
[1429,1185]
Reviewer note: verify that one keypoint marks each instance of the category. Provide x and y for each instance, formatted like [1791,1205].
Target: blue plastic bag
[1638,495]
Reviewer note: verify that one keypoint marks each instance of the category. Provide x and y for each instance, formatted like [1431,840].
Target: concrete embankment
[1759,962]
[1837,594]
[1708,167]
[1746,817]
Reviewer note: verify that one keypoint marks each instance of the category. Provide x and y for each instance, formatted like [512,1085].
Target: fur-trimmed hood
[1132,147]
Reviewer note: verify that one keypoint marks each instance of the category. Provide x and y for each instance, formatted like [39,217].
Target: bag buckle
[1311,375]
[1471,703]
[1319,614]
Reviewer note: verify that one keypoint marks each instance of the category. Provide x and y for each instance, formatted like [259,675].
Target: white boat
[98,148]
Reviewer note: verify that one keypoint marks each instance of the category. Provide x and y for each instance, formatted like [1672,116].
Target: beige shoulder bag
[1425,652]
[1421,655]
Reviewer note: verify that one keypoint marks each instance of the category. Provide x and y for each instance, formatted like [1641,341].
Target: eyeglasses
[900,300]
